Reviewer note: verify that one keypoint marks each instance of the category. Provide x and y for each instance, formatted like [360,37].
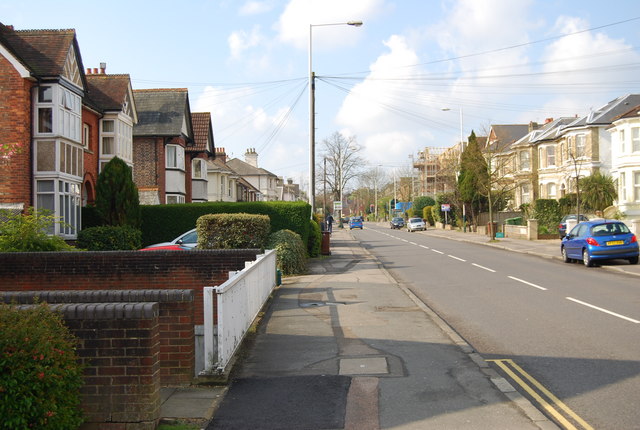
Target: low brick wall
[120,347]
[176,328]
[135,270]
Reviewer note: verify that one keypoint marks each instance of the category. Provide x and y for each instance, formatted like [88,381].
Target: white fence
[238,302]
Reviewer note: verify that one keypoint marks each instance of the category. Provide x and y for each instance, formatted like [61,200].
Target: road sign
[446,207]
[337,206]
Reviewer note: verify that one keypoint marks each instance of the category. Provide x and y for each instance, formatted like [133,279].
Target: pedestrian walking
[329,221]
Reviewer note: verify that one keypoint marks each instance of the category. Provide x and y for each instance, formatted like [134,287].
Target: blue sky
[246,62]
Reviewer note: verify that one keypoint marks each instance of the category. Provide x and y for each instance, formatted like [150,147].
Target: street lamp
[312,121]
[462,146]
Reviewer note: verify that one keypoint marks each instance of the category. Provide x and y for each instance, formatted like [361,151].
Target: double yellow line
[552,405]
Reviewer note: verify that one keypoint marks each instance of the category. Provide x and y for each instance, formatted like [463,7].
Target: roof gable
[163,112]
[111,93]
[202,132]
[46,53]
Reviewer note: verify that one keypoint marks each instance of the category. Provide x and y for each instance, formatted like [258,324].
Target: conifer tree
[117,199]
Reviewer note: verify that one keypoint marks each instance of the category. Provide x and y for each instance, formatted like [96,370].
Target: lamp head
[355,23]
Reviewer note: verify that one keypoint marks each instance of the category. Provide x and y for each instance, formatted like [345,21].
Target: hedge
[162,223]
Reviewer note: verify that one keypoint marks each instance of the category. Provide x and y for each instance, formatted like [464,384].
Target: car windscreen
[609,229]
[415,220]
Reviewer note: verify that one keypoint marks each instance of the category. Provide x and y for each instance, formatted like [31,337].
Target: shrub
[117,199]
[232,231]
[29,232]
[110,238]
[291,255]
[427,214]
[315,239]
[547,212]
[40,377]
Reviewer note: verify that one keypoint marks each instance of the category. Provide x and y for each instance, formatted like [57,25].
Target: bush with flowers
[40,374]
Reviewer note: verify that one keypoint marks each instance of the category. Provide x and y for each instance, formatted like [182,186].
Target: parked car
[416,224]
[356,222]
[185,241]
[562,227]
[598,240]
[397,222]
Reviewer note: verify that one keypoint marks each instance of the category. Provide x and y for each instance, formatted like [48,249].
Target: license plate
[615,242]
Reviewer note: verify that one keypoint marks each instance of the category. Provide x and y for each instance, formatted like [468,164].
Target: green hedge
[232,231]
[290,251]
[40,375]
[162,223]
[110,238]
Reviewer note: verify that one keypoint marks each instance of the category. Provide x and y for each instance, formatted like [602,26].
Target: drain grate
[319,304]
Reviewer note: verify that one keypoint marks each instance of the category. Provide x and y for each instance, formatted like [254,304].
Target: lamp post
[462,147]
[312,121]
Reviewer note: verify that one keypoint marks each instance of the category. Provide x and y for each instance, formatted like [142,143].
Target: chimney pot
[103,68]
[95,70]
[88,70]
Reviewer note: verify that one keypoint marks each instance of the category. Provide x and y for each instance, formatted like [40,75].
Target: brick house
[160,140]
[202,153]
[42,85]
[108,116]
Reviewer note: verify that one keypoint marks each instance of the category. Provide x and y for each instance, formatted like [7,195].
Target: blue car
[598,240]
[355,222]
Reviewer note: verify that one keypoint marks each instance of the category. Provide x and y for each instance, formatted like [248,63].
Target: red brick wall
[134,270]
[146,152]
[91,152]
[120,349]
[176,311]
[15,127]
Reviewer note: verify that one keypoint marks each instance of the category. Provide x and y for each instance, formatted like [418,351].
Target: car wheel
[586,259]
[633,260]
[565,257]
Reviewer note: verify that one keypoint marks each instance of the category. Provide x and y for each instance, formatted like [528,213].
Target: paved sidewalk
[347,347]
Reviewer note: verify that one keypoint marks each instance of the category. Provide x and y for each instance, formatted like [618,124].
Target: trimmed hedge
[162,223]
[40,376]
[290,251]
[110,238]
[232,231]
[315,239]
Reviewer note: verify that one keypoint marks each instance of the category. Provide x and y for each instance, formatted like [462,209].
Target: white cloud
[254,7]
[240,41]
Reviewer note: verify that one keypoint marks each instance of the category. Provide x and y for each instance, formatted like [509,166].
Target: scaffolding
[436,170]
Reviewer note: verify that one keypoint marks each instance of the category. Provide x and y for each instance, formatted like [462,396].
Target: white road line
[603,310]
[422,246]
[413,243]
[528,283]
[456,258]
[482,267]
[439,252]
[404,240]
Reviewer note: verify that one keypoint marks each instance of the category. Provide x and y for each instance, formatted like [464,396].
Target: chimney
[95,70]
[251,157]
[221,155]
[103,68]
[548,120]
[533,126]
[88,70]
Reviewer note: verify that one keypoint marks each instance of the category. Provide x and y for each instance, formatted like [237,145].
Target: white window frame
[622,142]
[525,160]
[581,145]
[622,186]
[171,199]
[636,186]
[174,157]
[550,154]
[198,168]
[635,139]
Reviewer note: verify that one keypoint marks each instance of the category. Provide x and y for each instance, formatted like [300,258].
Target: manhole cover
[364,366]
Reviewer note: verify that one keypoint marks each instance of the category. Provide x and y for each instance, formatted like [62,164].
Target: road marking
[603,310]
[439,252]
[422,246]
[482,267]
[413,243]
[457,258]
[404,240]
[554,406]
[528,283]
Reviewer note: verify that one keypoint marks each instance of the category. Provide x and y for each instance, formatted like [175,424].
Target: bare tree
[342,163]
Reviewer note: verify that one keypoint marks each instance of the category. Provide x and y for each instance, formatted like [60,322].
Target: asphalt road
[567,334]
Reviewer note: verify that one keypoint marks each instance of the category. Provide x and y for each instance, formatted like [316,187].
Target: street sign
[337,206]
[446,207]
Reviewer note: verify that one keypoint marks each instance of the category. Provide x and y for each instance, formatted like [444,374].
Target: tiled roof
[42,51]
[161,112]
[107,92]
[507,134]
[245,169]
[201,130]
[613,109]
